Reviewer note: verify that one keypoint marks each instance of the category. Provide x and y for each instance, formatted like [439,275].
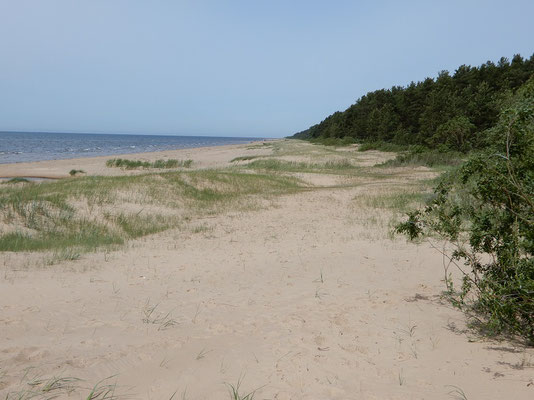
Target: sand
[308,298]
[207,157]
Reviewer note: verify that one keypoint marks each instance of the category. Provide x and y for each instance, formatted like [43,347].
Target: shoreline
[35,146]
[203,157]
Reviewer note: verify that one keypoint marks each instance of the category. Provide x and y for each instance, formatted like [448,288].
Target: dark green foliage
[486,209]
[450,110]
[74,172]
[382,146]
[161,164]
[456,133]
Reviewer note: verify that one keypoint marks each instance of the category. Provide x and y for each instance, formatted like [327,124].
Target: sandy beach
[306,295]
[204,157]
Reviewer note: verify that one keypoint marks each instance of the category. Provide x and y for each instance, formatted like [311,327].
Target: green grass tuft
[235,393]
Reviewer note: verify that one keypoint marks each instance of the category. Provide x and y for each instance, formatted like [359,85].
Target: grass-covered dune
[89,212]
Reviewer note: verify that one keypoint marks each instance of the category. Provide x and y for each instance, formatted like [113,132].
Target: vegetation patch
[16,180]
[244,158]
[399,201]
[425,157]
[158,164]
[74,172]
[80,214]
[36,386]
[486,210]
[293,166]
[262,145]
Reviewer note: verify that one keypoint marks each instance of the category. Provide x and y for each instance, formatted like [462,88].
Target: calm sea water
[23,147]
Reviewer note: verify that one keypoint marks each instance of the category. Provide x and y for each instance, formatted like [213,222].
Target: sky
[252,68]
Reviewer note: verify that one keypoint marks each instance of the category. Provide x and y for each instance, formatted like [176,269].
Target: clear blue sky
[233,68]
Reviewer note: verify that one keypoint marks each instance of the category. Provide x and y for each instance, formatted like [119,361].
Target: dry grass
[84,214]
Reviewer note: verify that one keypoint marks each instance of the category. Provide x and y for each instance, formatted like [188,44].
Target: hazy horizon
[240,69]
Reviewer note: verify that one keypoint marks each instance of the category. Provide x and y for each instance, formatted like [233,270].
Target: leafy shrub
[457,134]
[486,209]
[74,172]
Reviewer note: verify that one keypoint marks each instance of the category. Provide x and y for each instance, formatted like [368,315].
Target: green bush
[486,209]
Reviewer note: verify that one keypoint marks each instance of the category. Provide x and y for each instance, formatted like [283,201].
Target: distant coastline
[18,147]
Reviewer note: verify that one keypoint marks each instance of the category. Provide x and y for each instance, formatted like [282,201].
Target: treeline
[450,111]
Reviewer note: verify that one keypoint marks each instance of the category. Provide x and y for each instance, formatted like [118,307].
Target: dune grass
[91,212]
[399,201]
[244,158]
[427,158]
[47,388]
[272,164]
[158,164]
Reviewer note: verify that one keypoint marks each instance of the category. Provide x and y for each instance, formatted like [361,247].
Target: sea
[38,146]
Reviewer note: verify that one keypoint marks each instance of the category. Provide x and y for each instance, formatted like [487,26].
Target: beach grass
[47,388]
[244,158]
[429,158]
[90,212]
[276,165]
[158,164]
[16,180]
[399,201]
